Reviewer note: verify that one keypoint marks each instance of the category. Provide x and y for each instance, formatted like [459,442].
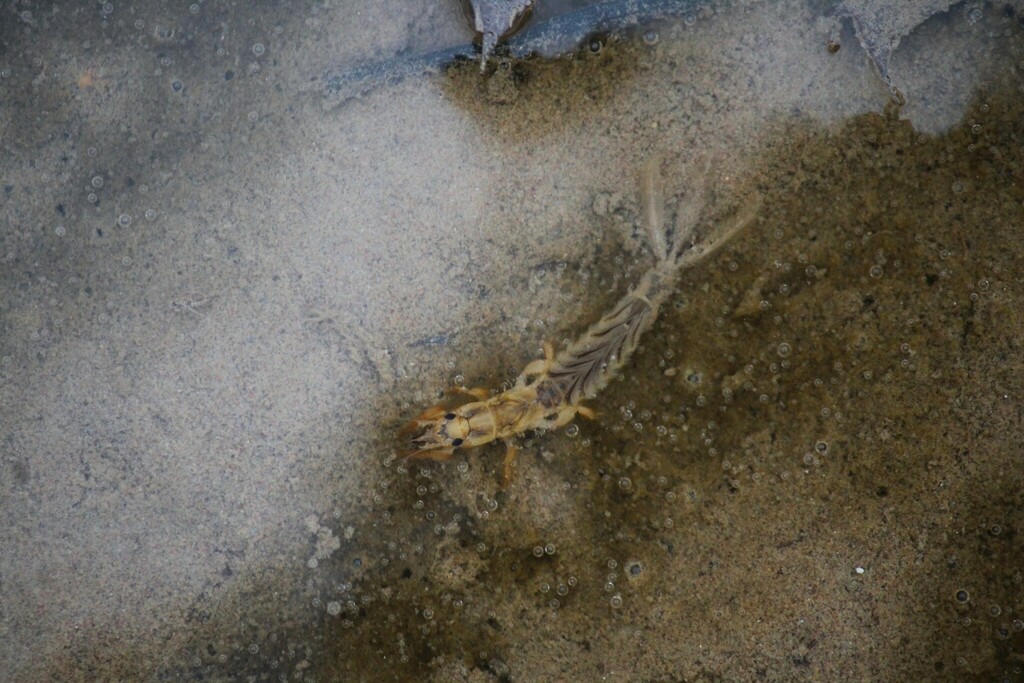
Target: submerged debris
[496,19]
[880,25]
[556,36]
[433,340]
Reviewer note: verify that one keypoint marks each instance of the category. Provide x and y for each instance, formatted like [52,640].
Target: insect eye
[450,416]
[456,442]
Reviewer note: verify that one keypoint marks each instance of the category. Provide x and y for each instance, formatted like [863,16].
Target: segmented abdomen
[583,369]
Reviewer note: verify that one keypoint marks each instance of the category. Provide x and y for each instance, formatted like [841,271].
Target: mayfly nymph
[549,393]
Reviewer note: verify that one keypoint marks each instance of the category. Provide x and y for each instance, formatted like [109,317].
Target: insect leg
[538,367]
[511,451]
[479,393]
[437,455]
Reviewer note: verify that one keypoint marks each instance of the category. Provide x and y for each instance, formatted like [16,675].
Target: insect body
[538,401]
[549,393]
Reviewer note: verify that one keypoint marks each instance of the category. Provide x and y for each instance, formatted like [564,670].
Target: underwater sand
[219,298]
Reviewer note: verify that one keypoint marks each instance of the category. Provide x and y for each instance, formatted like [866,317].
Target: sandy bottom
[220,296]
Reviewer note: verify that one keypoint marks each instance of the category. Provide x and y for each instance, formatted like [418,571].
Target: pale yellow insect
[549,392]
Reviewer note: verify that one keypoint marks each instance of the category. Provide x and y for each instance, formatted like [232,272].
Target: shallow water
[219,299]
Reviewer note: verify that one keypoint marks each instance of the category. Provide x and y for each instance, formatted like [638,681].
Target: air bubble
[60,231]
[875,271]
[258,49]
[124,220]
[538,551]
[193,8]
[253,116]
[616,601]
[624,482]
[784,350]
[97,181]
[651,37]
[572,430]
